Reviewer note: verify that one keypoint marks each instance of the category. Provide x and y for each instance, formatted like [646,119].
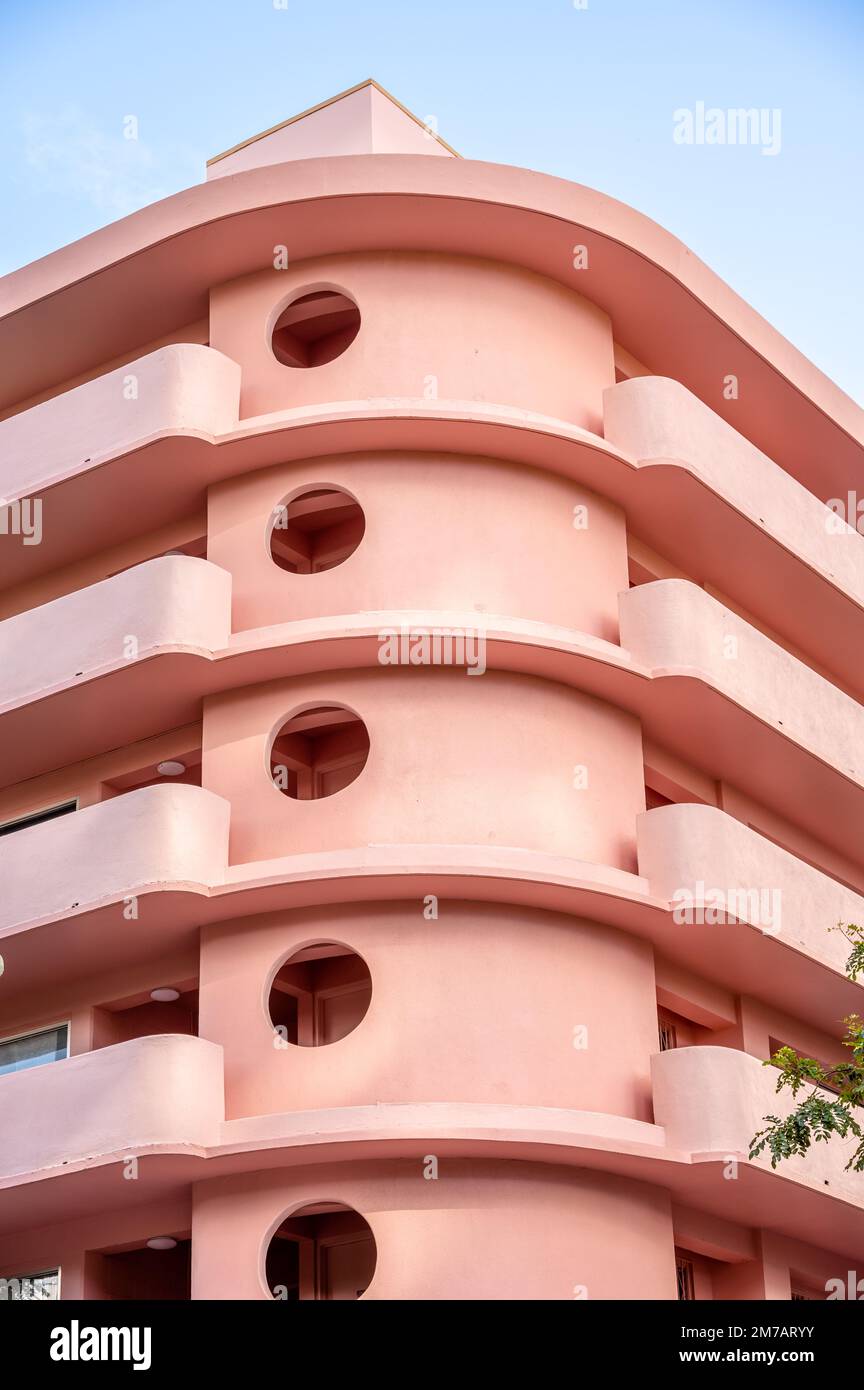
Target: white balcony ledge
[172,1127]
[711,1101]
[151,460]
[659,422]
[703,682]
[174,605]
[66,884]
[162,1092]
[157,837]
[180,389]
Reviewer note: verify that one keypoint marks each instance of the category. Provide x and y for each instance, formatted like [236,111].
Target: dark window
[684,1271]
[24,822]
[31,1287]
[34,1049]
[667,1032]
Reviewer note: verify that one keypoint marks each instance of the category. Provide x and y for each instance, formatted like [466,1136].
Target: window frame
[685,1274]
[34,1033]
[35,1274]
[63,808]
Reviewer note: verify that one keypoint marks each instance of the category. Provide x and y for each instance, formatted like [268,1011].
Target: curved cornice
[159,264]
[582,1139]
[145,467]
[670,674]
[167,847]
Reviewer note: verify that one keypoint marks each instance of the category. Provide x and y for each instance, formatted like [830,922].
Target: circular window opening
[318,752]
[324,1250]
[320,995]
[316,531]
[315,328]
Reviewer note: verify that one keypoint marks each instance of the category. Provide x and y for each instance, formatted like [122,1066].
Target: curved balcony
[180,390]
[161,263]
[711,1101]
[172,606]
[810,574]
[153,1094]
[701,681]
[159,1100]
[109,664]
[735,894]
[744,709]
[147,467]
[74,875]
[175,400]
[68,881]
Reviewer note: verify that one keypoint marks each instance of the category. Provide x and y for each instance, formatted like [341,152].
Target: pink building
[431,745]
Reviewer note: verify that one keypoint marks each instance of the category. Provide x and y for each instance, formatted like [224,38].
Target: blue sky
[584,93]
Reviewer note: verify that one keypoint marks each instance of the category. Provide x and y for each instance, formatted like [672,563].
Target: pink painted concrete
[457,759]
[170,605]
[692,510]
[431,326]
[176,390]
[490,512]
[661,422]
[444,1239]
[493,965]
[120,1100]
[161,263]
[163,834]
[676,628]
[712,1100]
[698,848]
[47,953]
[73,1240]
[364,120]
[493,864]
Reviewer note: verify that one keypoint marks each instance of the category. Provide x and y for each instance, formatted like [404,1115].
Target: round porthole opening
[318,751]
[316,530]
[326,1250]
[315,328]
[320,995]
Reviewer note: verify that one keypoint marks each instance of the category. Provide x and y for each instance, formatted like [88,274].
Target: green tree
[836,1093]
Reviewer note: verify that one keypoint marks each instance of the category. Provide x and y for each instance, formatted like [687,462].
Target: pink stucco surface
[561,1224]
[670,628]
[409,305]
[555,580]
[364,120]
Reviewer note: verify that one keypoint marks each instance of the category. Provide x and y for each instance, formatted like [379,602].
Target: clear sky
[585,93]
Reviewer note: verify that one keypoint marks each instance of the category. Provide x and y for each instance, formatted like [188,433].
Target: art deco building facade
[420,609]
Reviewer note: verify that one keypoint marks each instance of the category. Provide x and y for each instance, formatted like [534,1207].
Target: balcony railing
[155,1092]
[711,1102]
